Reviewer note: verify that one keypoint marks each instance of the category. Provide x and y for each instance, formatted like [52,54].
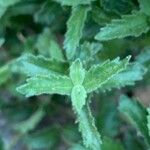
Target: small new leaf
[98,75]
[46,85]
[129,25]
[145,6]
[78,97]
[77,72]
[75,26]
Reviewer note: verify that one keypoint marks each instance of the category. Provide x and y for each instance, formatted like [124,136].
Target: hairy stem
[90,135]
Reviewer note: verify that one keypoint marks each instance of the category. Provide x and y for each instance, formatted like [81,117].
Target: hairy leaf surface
[75,26]
[91,137]
[77,72]
[133,73]
[78,97]
[129,25]
[46,85]
[35,65]
[98,75]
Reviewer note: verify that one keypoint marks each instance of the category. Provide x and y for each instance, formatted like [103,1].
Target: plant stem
[90,135]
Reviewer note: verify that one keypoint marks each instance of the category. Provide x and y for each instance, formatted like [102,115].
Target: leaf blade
[46,85]
[77,72]
[90,135]
[78,97]
[125,78]
[74,3]
[38,65]
[129,25]
[4,73]
[97,76]
[136,114]
[145,6]
[47,45]
[75,26]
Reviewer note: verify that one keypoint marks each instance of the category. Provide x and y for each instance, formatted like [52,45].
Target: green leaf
[47,45]
[88,50]
[119,7]
[35,65]
[23,8]
[148,120]
[77,147]
[78,97]
[31,123]
[144,56]
[91,137]
[145,6]
[74,2]
[46,138]
[8,2]
[107,113]
[5,4]
[77,72]
[1,39]
[129,25]
[2,11]
[109,144]
[44,84]
[136,114]
[126,77]
[99,75]
[48,14]
[75,26]
[100,16]
[4,73]
[56,52]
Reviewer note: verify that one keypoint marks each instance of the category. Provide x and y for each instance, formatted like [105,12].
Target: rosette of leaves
[78,84]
